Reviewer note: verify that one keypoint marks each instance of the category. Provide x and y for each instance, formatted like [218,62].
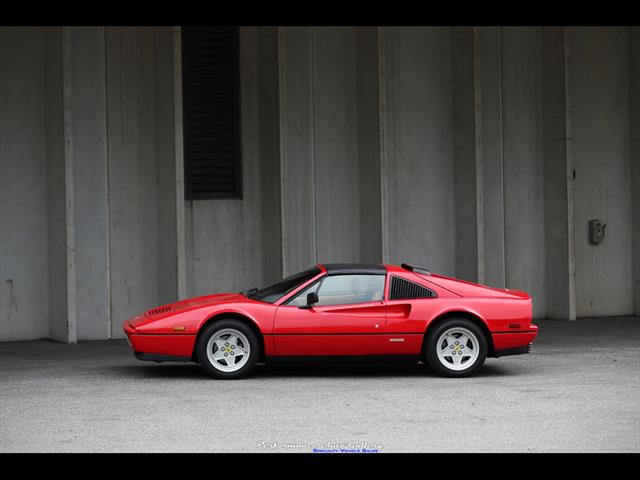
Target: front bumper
[160,348]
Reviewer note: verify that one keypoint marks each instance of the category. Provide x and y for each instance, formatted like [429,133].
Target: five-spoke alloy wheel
[228,349]
[456,348]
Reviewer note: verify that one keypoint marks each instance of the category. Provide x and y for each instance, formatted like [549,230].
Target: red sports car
[344,311]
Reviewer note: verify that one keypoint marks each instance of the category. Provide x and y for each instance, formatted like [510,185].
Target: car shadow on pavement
[312,370]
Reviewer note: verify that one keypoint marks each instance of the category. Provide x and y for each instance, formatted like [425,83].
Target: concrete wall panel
[491,263]
[133,177]
[297,168]
[600,85]
[558,175]
[23,186]
[56,186]
[346,166]
[90,182]
[166,164]
[420,174]
[523,164]
[234,244]
[465,151]
[634,93]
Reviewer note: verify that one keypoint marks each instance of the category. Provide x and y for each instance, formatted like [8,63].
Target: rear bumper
[513,343]
[154,357]
[512,351]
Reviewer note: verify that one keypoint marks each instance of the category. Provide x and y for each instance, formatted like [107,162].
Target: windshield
[272,293]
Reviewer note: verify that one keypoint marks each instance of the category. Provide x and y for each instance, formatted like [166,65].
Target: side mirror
[312,298]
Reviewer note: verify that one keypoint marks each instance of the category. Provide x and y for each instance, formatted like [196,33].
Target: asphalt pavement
[577,391]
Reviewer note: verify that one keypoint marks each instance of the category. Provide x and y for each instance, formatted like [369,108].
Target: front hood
[182,306]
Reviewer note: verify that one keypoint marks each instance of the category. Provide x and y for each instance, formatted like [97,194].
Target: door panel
[329,330]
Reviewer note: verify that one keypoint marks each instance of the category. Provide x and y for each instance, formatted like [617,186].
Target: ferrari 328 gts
[345,312]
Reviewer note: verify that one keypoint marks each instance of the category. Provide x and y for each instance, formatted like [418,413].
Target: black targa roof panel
[354,268]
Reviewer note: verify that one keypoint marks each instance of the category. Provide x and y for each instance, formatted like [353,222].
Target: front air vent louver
[158,311]
[402,289]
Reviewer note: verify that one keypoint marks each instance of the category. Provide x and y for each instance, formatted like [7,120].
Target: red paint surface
[359,329]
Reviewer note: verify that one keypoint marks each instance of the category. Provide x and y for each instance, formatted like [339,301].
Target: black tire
[222,324]
[431,348]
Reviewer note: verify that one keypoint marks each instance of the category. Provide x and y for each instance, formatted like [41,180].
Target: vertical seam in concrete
[382,135]
[501,153]
[568,119]
[69,186]
[281,59]
[314,235]
[179,164]
[107,189]
[633,42]
[479,161]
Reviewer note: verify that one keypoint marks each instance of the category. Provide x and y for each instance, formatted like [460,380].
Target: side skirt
[343,359]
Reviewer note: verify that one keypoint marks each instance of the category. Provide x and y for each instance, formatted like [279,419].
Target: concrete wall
[634,94]
[600,85]
[142,220]
[557,152]
[466,151]
[419,173]
[235,244]
[330,167]
[91,215]
[523,171]
[449,147]
[23,186]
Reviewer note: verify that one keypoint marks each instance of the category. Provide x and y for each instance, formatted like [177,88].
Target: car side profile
[341,311]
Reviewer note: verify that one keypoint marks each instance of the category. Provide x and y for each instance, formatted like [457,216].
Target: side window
[347,289]
[402,289]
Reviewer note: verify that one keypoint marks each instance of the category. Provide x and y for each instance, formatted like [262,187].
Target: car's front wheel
[456,348]
[228,349]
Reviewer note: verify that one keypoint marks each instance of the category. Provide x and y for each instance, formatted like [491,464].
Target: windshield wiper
[249,291]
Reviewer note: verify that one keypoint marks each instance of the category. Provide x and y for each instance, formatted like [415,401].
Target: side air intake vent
[402,289]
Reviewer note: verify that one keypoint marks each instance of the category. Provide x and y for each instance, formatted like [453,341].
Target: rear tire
[456,348]
[228,349]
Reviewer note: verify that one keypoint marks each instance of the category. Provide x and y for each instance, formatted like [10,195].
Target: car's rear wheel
[228,349]
[456,348]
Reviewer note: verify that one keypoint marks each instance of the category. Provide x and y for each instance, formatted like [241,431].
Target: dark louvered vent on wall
[210,96]
[402,289]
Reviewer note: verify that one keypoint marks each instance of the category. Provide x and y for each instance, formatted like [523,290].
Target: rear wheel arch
[461,314]
[230,316]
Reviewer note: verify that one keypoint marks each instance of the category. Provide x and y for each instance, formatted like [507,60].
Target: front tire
[456,348]
[228,349]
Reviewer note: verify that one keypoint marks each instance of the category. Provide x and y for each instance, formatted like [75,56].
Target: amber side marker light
[179,328]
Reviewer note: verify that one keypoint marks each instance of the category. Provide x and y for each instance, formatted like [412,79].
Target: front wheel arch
[229,316]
